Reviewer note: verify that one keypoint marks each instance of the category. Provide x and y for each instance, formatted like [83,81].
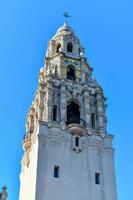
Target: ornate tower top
[65,29]
[67,93]
[65,41]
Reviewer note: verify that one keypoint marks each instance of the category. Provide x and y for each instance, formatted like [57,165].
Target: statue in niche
[3,194]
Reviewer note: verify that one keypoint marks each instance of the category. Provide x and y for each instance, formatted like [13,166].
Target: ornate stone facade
[66,127]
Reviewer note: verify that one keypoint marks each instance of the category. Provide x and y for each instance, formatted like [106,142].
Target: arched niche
[93,121]
[58,47]
[71,72]
[69,47]
[73,113]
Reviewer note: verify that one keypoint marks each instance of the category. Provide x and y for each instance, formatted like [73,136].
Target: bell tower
[68,154]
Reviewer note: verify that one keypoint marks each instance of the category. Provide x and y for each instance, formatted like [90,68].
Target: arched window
[93,124]
[54,113]
[71,72]
[69,47]
[73,113]
[58,47]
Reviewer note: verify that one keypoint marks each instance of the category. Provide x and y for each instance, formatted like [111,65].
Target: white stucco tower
[68,154]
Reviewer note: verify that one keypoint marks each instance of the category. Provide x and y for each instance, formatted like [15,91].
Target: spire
[65,24]
[3,194]
[64,29]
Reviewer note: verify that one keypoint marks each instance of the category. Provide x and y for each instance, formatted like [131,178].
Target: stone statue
[3,194]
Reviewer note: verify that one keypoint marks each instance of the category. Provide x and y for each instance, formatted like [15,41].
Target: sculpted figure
[3,194]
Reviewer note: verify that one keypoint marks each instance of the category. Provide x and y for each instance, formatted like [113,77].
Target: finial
[66,15]
[3,194]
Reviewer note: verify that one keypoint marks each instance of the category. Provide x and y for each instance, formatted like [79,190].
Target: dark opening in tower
[71,72]
[73,113]
[69,47]
[54,113]
[93,121]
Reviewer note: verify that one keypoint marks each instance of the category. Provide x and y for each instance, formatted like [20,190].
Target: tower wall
[28,174]
[76,169]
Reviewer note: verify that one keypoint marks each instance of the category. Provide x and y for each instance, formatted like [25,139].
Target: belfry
[68,154]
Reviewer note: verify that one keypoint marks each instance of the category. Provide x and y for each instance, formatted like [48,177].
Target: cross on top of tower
[66,15]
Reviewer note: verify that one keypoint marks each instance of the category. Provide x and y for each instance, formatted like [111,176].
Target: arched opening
[71,72]
[93,124]
[58,47]
[73,113]
[69,47]
[54,113]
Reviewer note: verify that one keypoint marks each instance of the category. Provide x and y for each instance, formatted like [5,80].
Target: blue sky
[105,29]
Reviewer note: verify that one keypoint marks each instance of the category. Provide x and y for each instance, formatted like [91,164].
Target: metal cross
[66,15]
